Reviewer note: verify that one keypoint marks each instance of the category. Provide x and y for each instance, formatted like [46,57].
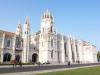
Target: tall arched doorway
[6,57]
[34,58]
[17,58]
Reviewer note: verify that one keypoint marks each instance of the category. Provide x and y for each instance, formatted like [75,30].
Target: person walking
[13,62]
[69,64]
[20,63]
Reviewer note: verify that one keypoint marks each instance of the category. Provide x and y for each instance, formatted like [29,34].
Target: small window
[8,43]
[52,43]
[18,43]
[22,43]
[47,16]
[26,32]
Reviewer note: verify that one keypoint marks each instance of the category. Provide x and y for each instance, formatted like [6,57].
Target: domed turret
[47,15]
[47,22]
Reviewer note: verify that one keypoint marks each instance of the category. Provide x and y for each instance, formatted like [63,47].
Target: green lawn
[83,71]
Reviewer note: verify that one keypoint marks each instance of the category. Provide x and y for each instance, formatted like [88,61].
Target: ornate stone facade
[45,46]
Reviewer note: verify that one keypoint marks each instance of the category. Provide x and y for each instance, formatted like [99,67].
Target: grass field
[82,71]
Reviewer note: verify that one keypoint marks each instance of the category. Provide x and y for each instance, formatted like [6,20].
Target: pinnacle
[27,20]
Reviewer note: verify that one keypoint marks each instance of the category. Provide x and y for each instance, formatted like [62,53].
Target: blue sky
[80,18]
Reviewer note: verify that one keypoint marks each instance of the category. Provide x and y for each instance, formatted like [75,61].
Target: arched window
[8,43]
[47,16]
[7,57]
[65,49]
[52,54]
[51,29]
[25,32]
[18,44]
[73,58]
[77,51]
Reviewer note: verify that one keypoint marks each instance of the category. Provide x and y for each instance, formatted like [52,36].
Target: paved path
[26,70]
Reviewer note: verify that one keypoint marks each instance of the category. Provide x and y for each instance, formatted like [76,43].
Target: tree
[98,55]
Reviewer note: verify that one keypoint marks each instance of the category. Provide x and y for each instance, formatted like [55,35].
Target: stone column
[80,51]
[14,47]
[74,50]
[62,50]
[69,50]
[55,47]
[2,47]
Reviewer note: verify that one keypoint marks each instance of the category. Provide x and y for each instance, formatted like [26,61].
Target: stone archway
[7,57]
[34,58]
[17,57]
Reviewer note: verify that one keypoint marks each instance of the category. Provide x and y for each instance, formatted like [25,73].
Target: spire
[19,29]
[27,24]
[19,25]
[27,20]
[19,22]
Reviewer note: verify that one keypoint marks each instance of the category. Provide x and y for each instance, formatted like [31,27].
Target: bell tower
[47,39]
[26,37]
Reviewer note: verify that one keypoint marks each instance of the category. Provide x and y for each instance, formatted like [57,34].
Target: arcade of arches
[7,57]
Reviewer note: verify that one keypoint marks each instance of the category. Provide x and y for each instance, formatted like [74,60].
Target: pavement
[30,69]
